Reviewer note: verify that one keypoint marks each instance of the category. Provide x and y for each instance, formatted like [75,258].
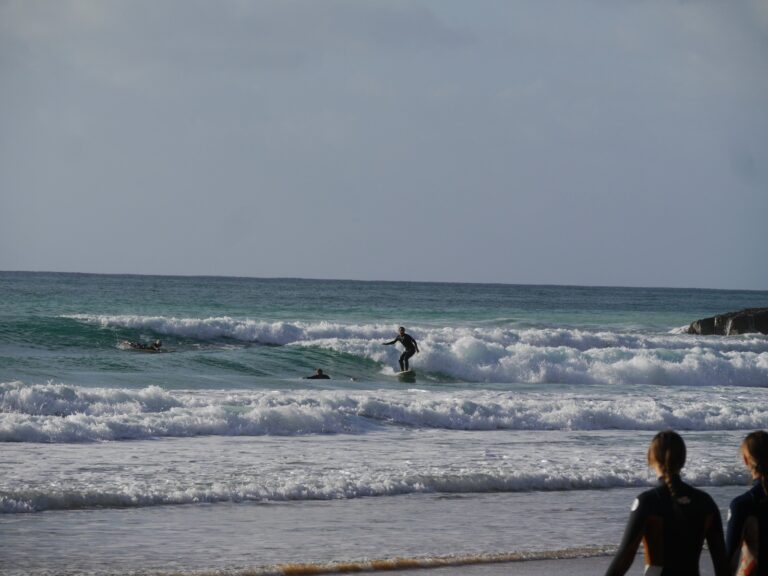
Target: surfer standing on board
[410,345]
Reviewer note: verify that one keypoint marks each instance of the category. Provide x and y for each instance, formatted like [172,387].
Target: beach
[575,567]
[492,533]
[518,240]
[523,436]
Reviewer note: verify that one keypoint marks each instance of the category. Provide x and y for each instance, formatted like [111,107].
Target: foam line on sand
[399,564]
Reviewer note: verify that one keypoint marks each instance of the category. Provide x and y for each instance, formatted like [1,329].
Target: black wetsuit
[673,532]
[751,503]
[318,377]
[410,349]
[144,347]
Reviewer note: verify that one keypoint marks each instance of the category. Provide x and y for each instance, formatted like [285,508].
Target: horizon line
[381,281]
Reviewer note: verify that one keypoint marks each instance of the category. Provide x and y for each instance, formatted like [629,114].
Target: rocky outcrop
[731,323]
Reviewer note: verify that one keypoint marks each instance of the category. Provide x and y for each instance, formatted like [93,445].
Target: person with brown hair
[672,520]
[747,535]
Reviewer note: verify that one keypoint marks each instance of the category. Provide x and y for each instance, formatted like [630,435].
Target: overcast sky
[596,142]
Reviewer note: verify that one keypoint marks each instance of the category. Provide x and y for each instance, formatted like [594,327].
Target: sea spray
[500,355]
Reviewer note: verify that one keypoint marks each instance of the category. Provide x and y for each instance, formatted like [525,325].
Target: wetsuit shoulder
[651,501]
[642,507]
[742,507]
[749,499]
[746,503]
[700,499]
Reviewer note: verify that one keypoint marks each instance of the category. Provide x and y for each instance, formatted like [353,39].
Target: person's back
[672,520]
[747,534]
[673,529]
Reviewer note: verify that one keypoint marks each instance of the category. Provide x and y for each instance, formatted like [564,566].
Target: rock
[742,322]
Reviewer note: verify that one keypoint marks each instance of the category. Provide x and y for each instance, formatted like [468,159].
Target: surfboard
[408,375]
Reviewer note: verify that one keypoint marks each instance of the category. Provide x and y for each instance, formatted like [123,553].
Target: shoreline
[451,563]
[529,534]
[588,566]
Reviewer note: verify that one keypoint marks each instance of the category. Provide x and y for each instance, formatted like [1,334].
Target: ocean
[523,435]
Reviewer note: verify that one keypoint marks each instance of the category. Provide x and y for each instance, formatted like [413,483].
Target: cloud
[113,38]
[507,141]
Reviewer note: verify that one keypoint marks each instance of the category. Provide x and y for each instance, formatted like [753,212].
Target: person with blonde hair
[747,534]
[672,520]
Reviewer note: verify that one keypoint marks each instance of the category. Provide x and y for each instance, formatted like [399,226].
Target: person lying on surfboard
[154,347]
[410,345]
[318,375]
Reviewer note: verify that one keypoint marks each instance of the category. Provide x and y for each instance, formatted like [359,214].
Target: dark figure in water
[410,345]
[746,541]
[672,520]
[154,347]
[318,375]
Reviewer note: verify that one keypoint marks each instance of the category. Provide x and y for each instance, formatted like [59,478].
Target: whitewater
[526,398]
[496,354]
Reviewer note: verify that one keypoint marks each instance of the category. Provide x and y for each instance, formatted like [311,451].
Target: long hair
[755,448]
[667,451]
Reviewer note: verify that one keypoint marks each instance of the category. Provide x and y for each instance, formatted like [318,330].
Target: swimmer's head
[401,330]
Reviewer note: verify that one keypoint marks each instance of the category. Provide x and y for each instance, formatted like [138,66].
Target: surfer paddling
[410,345]
[153,347]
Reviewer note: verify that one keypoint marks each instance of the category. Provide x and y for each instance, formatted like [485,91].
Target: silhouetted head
[754,449]
[667,453]
[319,371]
[401,330]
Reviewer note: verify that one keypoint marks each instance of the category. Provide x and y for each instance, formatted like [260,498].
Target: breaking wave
[345,484]
[64,414]
[502,355]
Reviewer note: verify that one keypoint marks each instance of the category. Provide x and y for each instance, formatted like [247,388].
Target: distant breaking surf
[496,354]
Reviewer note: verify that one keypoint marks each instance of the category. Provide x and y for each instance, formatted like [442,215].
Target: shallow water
[244,536]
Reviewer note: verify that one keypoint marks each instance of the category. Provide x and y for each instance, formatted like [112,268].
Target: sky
[586,142]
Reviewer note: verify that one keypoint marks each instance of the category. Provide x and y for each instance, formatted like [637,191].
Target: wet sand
[593,566]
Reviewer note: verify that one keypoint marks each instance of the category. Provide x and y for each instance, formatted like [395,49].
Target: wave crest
[58,413]
[502,355]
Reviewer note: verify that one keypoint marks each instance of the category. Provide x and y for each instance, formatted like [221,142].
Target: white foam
[503,355]
[304,489]
[388,463]
[58,413]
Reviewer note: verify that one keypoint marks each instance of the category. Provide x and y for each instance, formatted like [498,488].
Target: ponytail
[667,451]
[755,448]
